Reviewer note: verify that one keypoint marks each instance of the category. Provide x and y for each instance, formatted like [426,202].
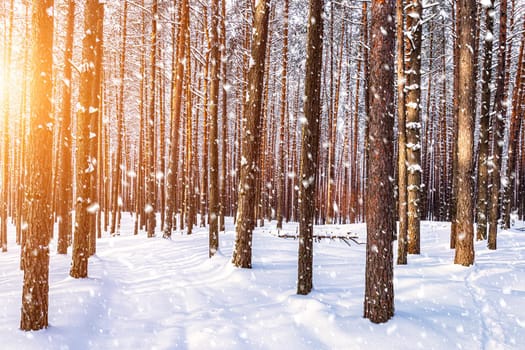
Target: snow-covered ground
[166,294]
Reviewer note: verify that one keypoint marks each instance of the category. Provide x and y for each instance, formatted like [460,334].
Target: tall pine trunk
[498,128]
[401,136]
[310,146]
[413,121]
[84,159]
[466,13]
[379,285]
[249,172]
[65,171]
[213,197]
[34,313]
[483,152]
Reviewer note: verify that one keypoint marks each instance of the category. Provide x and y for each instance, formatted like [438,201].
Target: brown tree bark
[466,13]
[498,128]
[310,145]
[34,313]
[84,160]
[284,87]
[224,136]
[379,286]
[401,136]
[65,171]
[213,198]
[413,122]
[151,178]
[178,76]
[4,195]
[205,145]
[242,254]
[514,135]
[189,191]
[483,152]
[95,122]
[115,192]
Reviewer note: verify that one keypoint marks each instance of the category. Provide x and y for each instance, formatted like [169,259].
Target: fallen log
[346,238]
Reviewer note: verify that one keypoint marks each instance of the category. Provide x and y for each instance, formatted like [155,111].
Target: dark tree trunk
[514,135]
[213,198]
[282,170]
[498,128]
[379,286]
[310,146]
[483,152]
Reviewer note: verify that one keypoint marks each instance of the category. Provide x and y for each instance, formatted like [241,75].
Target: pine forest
[258,174]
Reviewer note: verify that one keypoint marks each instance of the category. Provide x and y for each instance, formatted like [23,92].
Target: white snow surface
[167,294]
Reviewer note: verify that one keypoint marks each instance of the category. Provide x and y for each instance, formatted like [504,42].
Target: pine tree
[498,128]
[65,174]
[413,121]
[310,146]
[249,173]
[34,315]
[401,132]
[466,13]
[178,77]
[115,192]
[84,159]
[213,200]
[284,87]
[379,286]
[4,195]
[151,200]
[483,152]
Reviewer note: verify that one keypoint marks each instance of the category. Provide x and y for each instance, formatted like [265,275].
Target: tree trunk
[4,195]
[401,134]
[466,13]
[178,76]
[379,286]
[514,134]
[413,122]
[34,313]
[282,170]
[205,145]
[65,172]
[213,199]
[84,159]
[310,146]
[498,128]
[483,152]
[150,210]
[120,126]
[242,254]
[224,136]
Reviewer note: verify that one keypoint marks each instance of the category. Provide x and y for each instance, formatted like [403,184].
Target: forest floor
[166,294]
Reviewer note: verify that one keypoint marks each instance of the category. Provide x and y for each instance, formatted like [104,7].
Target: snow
[166,294]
